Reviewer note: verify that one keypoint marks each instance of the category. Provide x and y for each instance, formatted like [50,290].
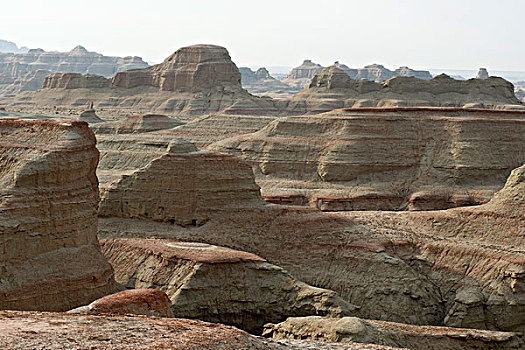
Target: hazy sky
[454,34]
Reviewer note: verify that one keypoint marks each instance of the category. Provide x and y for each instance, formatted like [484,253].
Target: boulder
[48,216]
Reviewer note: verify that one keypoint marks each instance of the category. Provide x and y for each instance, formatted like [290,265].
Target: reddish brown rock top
[198,252]
[36,330]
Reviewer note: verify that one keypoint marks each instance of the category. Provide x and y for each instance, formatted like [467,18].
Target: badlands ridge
[180,211]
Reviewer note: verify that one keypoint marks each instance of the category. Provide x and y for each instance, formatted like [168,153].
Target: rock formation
[149,302]
[331,88]
[482,74]
[196,187]
[384,159]
[261,83]
[198,79]
[11,47]
[50,258]
[408,72]
[53,331]
[300,76]
[218,284]
[137,124]
[27,71]
[90,116]
[348,329]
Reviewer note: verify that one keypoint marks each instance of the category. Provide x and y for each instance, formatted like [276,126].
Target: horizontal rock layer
[218,284]
[50,257]
[387,159]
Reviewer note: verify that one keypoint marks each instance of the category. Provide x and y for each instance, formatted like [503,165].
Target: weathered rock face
[11,47]
[75,81]
[482,74]
[218,284]
[149,302]
[192,68]
[349,329]
[196,187]
[140,123]
[300,76]
[261,83]
[50,257]
[331,88]
[408,72]
[18,71]
[199,79]
[423,158]
[31,330]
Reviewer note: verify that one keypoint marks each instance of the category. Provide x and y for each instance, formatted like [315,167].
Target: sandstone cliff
[50,258]
[18,71]
[332,88]
[384,159]
[218,284]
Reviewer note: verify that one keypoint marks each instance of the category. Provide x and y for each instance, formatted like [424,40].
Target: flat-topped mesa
[75,81]
[192,68]
[405,71]
[48,216]
[329,89]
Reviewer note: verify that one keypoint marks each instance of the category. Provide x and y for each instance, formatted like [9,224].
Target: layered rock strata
[218,284]
[140,123]
[32,330]
[384,159]
[332,88]
[460,267]
[50,257]
[198,79]
[27,71]
[300,76]
[352,329]
[261,83]
[196,187]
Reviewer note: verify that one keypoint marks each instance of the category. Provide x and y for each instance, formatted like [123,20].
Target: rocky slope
[218,284]
[427,268]
[332,88]
[349,329]
[32,330]
[50,258]
[384,159]
[198,79]
[26,71]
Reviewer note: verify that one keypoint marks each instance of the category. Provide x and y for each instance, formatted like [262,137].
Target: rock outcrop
[196,187]
[11,47]
[218,284]
[50,257]
[261,83]
[140,123]
[331,88]
[482,74]
[199,79]
[149,302]
[90,116]
[384,159]
[300,76]
[27,71]
[54,331]
[408,72]
[352,329]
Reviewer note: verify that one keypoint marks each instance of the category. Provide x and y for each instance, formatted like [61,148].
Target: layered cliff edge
[51,258]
